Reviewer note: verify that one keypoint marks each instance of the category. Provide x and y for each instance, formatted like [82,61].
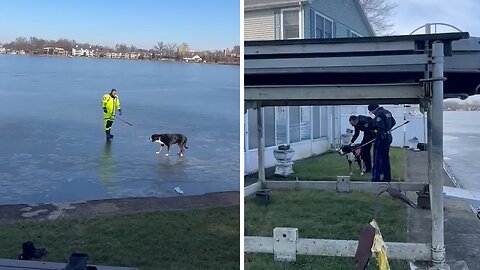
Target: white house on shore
[310,130]
[82,52]
[195,58]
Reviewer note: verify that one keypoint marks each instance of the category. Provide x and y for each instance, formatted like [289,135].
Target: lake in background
[461,147]
[52,139]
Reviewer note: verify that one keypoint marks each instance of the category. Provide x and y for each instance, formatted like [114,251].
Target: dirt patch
[91,209]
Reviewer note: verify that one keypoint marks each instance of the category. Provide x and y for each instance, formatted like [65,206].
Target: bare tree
[379,13]
[121,48]
[171,48]
[160,46]
[236,49]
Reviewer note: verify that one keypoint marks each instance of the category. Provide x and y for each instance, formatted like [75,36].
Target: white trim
[353,32]
[315,24]
[275,125]
[311,123]
[288,124]
[300,35]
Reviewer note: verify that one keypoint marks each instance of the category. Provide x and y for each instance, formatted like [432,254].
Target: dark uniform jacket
[383,121]
[364,124]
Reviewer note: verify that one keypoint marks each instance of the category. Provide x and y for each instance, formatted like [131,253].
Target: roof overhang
[279,4]
[355,70]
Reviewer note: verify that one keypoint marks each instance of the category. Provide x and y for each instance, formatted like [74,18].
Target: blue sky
[209,24]
[464,14]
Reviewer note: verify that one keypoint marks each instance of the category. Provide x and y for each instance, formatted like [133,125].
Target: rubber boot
[109,136]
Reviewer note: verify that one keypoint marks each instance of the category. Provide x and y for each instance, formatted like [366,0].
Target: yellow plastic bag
[379,248]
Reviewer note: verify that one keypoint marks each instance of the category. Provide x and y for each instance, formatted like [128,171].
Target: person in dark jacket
[364,124]
[382,125]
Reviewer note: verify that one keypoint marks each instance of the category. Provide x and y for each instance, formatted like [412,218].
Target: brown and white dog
[169,140]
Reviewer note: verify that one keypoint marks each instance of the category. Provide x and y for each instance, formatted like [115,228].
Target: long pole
[261,146]
[360,146]
[436,177]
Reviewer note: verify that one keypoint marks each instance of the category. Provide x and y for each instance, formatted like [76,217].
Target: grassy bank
[194,239]
[325,215]
[330,165]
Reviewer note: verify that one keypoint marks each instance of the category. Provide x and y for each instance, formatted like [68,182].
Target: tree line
[159,50]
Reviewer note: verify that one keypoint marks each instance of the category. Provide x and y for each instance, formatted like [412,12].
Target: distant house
[311,130]
[2,50]
[134,55]
[48,50]
[82,52]
[195,58]
[59,51]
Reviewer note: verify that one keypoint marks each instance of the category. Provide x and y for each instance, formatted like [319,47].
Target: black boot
[109,136]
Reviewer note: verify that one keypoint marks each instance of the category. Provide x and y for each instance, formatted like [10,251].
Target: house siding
[292,125]
[343,12]
[259,25]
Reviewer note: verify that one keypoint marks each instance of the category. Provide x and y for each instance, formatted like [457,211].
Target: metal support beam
[336,248]
[436,159]
[349,93]
[283,64]
[251,189]
[352,185]
[261,145]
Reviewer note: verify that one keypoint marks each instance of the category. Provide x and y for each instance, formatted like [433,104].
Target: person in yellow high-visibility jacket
[110,104]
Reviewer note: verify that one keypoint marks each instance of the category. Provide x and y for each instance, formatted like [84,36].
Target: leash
[114,108]
[406,122]
[124,121]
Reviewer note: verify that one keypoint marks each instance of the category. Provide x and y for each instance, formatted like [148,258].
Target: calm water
[461,143]
[52,140]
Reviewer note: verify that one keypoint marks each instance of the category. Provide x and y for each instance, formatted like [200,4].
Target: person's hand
[120,111]
[105,110]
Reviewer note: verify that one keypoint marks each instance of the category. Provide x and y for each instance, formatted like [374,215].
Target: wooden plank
[354,185]
[329,48]
[340,248]
[362,61]
[39,265]
[249,190]
[258,244]
[335,92]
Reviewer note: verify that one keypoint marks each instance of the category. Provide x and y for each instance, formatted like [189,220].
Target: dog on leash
[352,153]
[169,140]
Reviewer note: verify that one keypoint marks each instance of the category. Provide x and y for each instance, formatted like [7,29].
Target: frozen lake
[52,140]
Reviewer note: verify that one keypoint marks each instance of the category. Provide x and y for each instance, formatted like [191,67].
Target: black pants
[366,150]
[381,164]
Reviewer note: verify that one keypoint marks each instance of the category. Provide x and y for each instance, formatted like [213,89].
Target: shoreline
[13,213]
[153,60]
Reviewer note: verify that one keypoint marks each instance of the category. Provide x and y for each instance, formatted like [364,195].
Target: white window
[294,124]
[351,33]
[269,125]
[305,123]
[281,124]
[323,121]
[316,122]
[323,26]
[252,129]
[291,23]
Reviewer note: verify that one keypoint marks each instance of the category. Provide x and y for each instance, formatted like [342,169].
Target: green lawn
[321,215]
[324,214]
[330,165]
[194,239]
